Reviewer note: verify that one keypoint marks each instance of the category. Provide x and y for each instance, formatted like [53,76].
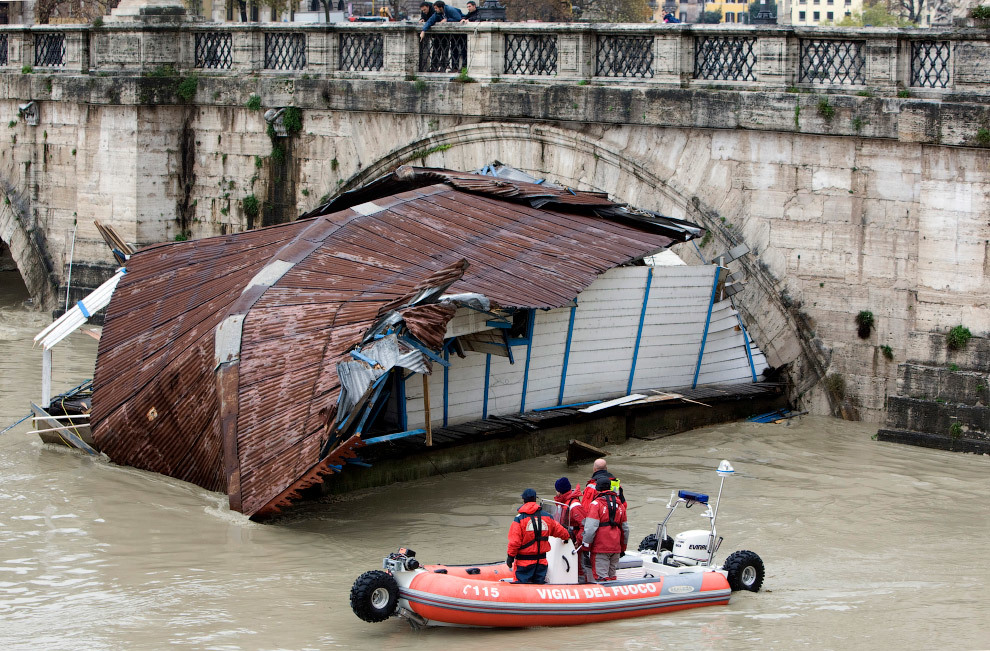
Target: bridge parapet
[929,63]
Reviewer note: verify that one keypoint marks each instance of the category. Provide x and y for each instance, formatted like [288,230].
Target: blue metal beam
[573,404]
[749,355]
[423,349]
[529,353]
[446,373]
[708,320]
[567,354]
[639,332]
[488,374]
[392,437]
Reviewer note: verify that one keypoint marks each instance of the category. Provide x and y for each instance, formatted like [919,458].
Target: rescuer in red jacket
[529,540]
[606,531]
[572,517]
[600,471]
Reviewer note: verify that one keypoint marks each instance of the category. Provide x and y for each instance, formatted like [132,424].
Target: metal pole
[711,536]
[426,407]
[72,251]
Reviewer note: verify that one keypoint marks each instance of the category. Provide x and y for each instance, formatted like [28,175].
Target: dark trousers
[535,573]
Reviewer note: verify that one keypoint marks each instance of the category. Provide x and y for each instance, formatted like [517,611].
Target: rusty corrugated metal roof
[218,361]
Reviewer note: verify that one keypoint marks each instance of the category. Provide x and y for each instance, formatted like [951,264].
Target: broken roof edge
[534,194]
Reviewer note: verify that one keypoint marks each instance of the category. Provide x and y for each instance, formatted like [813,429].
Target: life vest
[540,535]
[612,505]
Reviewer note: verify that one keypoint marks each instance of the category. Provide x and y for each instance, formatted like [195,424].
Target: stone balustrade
[928,62]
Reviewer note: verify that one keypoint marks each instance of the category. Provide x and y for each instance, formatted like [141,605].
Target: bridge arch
[603,159]
[26,245]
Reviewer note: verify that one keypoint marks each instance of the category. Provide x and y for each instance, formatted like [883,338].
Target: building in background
[820,12]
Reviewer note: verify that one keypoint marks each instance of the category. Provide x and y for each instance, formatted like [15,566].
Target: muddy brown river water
[867,545]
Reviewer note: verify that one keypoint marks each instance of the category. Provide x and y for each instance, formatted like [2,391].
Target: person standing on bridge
[441,14]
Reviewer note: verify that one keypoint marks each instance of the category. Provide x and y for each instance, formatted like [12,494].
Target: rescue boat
[664,575]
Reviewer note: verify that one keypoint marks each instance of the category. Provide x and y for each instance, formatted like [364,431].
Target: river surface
[867,545]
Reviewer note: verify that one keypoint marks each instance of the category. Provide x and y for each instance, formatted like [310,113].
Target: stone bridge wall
[868,201]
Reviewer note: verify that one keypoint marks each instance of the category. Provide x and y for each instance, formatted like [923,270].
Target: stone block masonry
[878,205]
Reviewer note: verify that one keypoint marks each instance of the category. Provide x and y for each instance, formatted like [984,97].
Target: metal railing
[831,61]
[213,51]
[285,51]
[443,53]
[624,56]
[725,58]
[929,61]
[930,64]
[530,54]
[361,52]
[49,49]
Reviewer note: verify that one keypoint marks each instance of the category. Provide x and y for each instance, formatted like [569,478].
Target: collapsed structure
[256,363]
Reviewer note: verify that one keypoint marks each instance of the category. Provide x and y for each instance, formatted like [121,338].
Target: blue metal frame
[708,320]
[639,331]
[749,355]
[529,351]
[567,354]
[446,372]
[400,397]
[488,374]
[573,404]
[392,437]
[423,349]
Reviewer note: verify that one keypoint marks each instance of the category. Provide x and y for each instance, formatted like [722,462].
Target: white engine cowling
[692,545]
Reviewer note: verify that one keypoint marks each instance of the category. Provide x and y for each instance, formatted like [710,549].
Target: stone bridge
[854,164]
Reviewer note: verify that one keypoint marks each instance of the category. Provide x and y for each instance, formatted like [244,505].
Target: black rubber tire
[745,569]
[650,543]
[374,596]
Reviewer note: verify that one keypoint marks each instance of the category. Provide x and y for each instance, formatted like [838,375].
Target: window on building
[817,2]
[683,16]
[830,16]
[802,16]
[274,15]
[803,2]
[848,13]
[817,16]
[254,13]
[730,17]
[230,10]
[830,2]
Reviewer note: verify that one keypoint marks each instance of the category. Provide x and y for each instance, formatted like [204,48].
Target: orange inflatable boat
[676,574]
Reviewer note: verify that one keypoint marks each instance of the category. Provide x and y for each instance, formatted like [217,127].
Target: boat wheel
[745,571]
[374,596]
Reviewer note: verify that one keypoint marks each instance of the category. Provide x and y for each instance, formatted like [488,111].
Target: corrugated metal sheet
[304,294]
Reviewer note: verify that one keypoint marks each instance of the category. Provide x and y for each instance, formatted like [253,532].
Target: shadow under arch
[574,158]
[27,247]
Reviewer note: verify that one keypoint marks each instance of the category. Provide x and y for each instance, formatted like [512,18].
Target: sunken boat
[261,363]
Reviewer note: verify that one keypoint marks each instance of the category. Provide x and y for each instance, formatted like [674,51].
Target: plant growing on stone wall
[955,430]
[958,337]
[182,236]
[251,206]
[186,90]
[26,70]
[953,367]
[706,239]
[825,109]
[836,385]
[463,77]
[12,124]
[980,13]
[98,22]
[858,123]
[983,137]
[887,351]
[254,103]
[292,120]
[904,94]
[865,322]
